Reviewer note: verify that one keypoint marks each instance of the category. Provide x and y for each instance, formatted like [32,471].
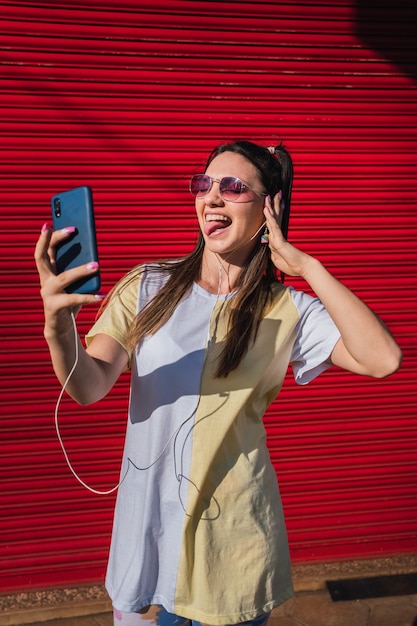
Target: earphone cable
[58,403]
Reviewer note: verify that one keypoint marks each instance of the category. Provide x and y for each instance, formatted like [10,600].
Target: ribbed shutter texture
[129,97]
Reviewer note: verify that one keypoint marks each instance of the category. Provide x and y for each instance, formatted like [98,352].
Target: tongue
[211,227]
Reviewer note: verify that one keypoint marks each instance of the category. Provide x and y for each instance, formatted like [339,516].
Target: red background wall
[129,98]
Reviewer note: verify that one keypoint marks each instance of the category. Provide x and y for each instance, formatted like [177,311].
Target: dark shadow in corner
[390,28]
[373,587]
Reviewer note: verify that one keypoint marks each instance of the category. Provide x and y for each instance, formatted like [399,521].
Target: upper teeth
[217,218]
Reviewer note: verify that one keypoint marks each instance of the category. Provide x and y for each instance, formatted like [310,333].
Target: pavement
[307,609]
[312,604]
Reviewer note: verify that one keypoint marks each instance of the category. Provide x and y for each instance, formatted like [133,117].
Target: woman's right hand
[58,304]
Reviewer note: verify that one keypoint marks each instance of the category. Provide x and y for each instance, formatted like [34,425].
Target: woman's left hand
[286,257]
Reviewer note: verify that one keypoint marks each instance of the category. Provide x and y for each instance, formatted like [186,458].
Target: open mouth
[215,223]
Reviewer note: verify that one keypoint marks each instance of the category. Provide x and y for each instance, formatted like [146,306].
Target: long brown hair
[247,308]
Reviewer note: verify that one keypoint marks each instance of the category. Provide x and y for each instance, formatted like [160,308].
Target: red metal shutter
[129,97]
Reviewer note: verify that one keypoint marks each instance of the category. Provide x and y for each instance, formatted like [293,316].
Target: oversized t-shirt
[198,525]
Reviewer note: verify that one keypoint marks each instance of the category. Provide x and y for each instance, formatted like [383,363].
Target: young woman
[199,533]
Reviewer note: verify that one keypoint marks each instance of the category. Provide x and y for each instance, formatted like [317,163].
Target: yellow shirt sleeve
[120,311]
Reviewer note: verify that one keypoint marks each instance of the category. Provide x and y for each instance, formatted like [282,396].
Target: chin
[235,255]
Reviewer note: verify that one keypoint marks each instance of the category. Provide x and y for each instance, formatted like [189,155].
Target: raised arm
[366,346]
[102,363]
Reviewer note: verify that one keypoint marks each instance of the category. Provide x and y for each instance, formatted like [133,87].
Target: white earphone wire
[64,386]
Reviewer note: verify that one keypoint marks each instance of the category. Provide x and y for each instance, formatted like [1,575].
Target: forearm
[88,382]
[366,339]
[99,366]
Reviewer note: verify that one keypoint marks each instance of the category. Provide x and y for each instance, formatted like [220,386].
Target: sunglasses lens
[231,188]
[200,184]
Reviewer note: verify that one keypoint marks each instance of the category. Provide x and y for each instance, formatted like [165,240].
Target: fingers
[68,277]
[275,206]
[273,213]
[52,283]
[278,207]
[42,259]
[45,247]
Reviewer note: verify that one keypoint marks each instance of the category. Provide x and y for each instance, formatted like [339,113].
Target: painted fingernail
[93,265]
[45,227]
[68,230]
[99,296]
[269,198]
[280,194]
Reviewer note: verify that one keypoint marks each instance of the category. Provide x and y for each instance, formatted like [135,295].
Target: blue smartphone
[75,208]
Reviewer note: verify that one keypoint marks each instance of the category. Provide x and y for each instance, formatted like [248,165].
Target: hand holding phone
[75,208]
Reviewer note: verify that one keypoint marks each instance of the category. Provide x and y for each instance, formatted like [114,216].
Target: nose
[213,196]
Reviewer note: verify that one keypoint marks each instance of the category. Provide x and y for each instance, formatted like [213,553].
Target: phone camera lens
[57,207]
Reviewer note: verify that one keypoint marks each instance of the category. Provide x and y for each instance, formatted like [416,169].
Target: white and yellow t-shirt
[198,526]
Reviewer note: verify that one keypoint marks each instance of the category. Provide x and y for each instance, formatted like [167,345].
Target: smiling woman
[199,532]
[230,212]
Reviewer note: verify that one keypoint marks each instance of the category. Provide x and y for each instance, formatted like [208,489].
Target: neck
[217,274]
